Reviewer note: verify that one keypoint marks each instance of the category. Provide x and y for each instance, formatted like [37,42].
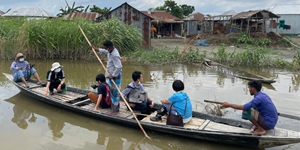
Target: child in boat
[55,79]
[261,111]
[103,100]
[181,104]
[148,103]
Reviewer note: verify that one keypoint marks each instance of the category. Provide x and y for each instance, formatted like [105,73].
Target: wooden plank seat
[195,123]
[65,96]
[80,102]
[201,124]
[123,111]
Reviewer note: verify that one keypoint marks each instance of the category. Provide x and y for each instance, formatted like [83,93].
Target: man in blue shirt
[181,104]
[261,111]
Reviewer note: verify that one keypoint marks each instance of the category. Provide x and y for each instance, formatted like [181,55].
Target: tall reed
[59,38]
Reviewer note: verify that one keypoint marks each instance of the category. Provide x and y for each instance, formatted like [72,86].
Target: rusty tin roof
[85,15]
[256,13]
[162,16]
[195,16]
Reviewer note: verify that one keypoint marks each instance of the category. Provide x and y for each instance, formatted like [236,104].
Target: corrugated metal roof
[250,13]
[285,9]
[230,12]
[85,15]
[195,16]
[28,12]
[161,16]
[1,13]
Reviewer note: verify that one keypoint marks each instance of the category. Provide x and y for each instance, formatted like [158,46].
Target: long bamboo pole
[116,86]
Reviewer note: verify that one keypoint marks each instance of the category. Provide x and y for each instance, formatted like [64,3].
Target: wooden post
[263,26]
[212,25]
[242,22]
[247,30]
[276,26]
[171,30]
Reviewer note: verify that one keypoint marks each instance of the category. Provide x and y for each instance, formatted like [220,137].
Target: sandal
[41,83]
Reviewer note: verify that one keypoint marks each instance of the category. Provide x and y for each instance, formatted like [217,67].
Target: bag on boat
[107,98]
[136,95]
[175,120]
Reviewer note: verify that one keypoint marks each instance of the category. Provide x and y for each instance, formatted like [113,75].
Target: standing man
[261,111]
[22,70]
[114,69]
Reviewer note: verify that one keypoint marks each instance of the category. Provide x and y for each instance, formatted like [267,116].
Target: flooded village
[220,63]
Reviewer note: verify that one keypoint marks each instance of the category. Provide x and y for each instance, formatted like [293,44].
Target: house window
[198,27]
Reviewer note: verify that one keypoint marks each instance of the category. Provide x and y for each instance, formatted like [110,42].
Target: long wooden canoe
[201,127]
[262,79]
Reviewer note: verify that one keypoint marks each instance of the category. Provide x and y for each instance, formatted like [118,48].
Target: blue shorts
[17,76]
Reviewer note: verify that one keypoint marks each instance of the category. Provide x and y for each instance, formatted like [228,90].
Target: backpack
[107,98]
[136,95]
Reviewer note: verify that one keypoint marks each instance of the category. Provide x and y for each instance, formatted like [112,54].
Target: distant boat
[262,79]
[201,127]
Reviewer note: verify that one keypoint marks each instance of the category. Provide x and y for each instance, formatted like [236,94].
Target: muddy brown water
[28,124]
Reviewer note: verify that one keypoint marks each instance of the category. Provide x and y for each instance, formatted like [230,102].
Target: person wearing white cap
[55,79]
[22,70]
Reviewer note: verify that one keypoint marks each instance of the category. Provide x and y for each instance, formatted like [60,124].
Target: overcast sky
[212,7]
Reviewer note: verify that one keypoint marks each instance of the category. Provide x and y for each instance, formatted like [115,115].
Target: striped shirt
[114,65]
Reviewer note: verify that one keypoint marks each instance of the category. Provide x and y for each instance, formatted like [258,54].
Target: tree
[69,9]
[187,9]
[179,11]
[99,10]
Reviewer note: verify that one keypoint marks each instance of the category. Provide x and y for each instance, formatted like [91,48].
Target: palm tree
[69,9]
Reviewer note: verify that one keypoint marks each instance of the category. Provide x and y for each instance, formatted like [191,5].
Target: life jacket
[136,95]
[107,98]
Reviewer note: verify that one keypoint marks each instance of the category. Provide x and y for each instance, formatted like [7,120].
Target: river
[31,125]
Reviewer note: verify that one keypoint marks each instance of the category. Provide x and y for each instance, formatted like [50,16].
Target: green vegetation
[179,11]
[243,38]
[163,55]
[62,38]
[258,57]
[68,9]
[58,38]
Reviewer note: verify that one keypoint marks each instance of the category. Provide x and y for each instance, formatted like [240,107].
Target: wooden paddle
[116,86]
[279,114]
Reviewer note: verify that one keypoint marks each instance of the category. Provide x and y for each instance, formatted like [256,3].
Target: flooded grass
[59,38]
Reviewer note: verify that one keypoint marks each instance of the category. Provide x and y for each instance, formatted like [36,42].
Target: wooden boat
[262,79]
[201,127]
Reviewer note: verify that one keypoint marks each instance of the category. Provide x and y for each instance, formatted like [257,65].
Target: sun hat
[19,55]
[55,66]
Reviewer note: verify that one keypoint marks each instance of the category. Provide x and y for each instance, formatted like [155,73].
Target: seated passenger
[181,104]
[56,79]
[103,100]
[144,106]
[22,70]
